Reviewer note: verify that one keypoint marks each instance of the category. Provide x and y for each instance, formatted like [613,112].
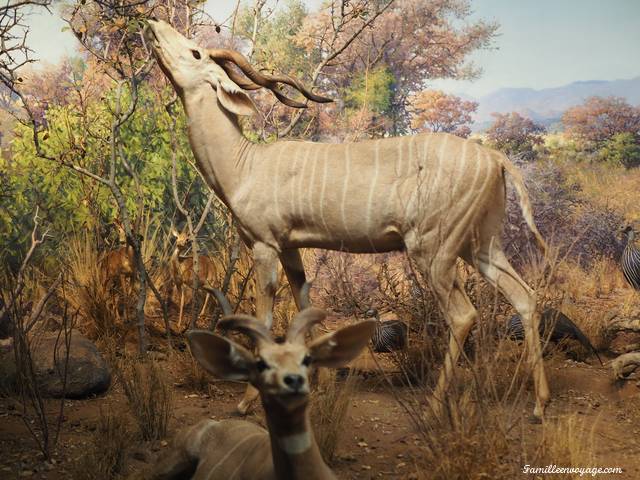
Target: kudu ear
[338,348]
[234,99]
[219,356]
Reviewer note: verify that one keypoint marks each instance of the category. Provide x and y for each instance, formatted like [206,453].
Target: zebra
[630,260]
[389,335]
[555,326]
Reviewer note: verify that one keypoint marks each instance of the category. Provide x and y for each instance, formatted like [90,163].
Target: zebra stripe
[630,263]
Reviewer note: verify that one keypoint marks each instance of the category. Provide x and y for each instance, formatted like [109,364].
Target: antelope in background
[182,271]
[437,196]
[119,264]
[221,450]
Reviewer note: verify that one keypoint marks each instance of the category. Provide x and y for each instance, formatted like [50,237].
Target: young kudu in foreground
[242,450]
[437,196]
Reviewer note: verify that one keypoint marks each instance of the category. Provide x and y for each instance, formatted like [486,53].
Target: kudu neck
[216,140]
[295,452]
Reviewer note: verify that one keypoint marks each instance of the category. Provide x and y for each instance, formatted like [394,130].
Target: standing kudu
[119,264]
[241,450]
[182,271]
[437,196]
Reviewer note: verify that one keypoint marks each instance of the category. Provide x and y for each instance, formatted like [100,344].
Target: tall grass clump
[149,396]
[329,406]
[107,450]
[87,290]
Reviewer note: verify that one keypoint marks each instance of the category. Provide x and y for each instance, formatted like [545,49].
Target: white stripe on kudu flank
[311,188]
[230,452]
[301,184]
[276,183]
[373,186]
[291,184]
[345,188]
[324,187]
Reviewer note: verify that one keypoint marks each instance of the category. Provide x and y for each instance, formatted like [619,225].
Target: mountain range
[547,105]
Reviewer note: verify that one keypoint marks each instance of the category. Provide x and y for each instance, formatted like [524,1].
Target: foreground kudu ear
[234,99]
[219,356]
[340,347]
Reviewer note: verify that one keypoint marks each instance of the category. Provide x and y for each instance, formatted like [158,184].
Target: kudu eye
[306,361]
[196,54]
[261,365]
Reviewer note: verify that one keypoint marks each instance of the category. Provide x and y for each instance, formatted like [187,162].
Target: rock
[87,371]
[623,332]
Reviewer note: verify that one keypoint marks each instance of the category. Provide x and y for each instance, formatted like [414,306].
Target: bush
[579,228]
[621,149]
[514,134]
[149,395]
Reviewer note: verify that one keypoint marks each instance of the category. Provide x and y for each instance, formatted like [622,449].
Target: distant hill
[547,105]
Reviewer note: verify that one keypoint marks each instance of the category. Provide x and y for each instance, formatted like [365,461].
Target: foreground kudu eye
[261,365]
[196,54]
[306,361]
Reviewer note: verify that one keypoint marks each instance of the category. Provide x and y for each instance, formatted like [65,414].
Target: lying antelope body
[438,196]
[221,450]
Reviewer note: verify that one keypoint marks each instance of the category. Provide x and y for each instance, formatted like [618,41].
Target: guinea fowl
[555,326]
[630,260]
[389,335]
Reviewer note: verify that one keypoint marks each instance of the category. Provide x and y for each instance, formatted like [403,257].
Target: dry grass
[87,292]
[149,395]
[105,457]
[193,375]
[567,442]
[329,406]
[609,187]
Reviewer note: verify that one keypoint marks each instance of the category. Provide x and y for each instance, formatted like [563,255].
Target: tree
[436,111]
[404,43]
[515,135]
[598,119]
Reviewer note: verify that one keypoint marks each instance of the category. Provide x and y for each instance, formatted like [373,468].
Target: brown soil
[378,439]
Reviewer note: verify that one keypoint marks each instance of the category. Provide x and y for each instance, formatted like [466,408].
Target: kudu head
[279,370]
[182,239]
[190,67]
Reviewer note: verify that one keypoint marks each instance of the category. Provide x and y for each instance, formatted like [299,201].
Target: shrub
[514,134]
[107,449]
[621,149]
[148,393]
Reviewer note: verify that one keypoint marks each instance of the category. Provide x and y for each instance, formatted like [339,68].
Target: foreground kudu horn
[220,450]
[437,196]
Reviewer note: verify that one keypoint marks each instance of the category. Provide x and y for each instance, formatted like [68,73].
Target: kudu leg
[265,260]
[181,308]
[460,315]
[497,270]
[294,270]
[204,307]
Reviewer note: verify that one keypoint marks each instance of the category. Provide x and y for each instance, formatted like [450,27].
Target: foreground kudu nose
[294,382]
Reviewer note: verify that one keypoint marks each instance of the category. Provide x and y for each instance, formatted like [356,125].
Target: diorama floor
[377,440]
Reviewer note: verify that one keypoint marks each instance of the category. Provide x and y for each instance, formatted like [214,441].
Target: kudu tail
[525,203]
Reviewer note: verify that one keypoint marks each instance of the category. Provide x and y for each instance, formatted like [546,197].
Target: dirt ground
[377,441]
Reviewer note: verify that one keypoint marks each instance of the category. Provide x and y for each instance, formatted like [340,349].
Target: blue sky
[541,43]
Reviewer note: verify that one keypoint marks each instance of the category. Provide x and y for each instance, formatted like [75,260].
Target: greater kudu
[241,450]
[438,196]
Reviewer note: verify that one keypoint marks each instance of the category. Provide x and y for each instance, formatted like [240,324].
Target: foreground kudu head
[279,370]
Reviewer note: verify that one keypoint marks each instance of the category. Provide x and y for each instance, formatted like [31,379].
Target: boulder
[623,331]
[87,371]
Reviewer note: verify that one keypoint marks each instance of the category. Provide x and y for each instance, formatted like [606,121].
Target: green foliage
[621,149]
[69,201]
[372,89]
[274,47]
